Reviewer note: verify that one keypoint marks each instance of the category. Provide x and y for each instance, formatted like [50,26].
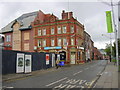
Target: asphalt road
[76,76]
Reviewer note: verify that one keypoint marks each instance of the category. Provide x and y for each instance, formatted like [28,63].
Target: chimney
[66,15]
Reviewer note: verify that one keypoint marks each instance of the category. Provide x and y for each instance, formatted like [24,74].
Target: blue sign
[47,48]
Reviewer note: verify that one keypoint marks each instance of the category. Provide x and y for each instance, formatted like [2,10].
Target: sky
[91,14]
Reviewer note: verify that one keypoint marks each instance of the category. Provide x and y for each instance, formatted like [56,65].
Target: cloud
[91,14]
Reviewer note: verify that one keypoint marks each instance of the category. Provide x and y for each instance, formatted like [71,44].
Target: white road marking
[56,82]
[86,68]
[7,87]
[77,73]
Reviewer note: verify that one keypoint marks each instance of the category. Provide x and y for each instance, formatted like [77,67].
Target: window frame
[39,32]
[64,29]
[52,32]
[59,30]
[72,29]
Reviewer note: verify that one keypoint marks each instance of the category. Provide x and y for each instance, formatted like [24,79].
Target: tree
[108,49]
[114,48]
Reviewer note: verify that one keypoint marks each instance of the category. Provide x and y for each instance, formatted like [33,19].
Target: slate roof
[24,20]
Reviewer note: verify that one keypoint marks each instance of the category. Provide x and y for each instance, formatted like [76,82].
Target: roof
[24,20]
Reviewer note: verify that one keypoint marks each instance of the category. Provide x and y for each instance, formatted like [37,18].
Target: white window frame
[44,31]
[44,43]
[52,30]
[72,41]
[64,29]
[72,29]
[59,41]
[8,38]
[52,42]
[39,32]
[64,43]
[59,29]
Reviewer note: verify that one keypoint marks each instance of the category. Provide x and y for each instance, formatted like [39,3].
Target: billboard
[28,63]
[20,63]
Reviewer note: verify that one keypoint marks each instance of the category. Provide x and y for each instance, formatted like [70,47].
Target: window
[44,43]
[64,41]
[39,43]
[59,41]
[52,42]
[72,41]
[52,30]
[39,32]
[26,36]
[64,29]
[26,46]
[44,31]
[72,29]
[8,38]
[59,30]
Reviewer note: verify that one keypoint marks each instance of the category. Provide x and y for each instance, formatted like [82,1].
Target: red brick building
[63,36]
[39,32]
[97,54]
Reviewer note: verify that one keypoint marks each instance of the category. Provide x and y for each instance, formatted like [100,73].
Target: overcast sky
[91,14]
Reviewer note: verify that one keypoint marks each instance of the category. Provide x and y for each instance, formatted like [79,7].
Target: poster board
[47,59]
[20,63]
[28,63]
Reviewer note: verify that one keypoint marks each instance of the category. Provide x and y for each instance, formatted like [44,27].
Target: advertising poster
[20,63]
[28,64]
[47,59]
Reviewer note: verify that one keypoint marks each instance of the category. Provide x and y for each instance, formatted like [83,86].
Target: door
[53,60]
[72,57]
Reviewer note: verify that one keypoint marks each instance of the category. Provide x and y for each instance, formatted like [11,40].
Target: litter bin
[62,63]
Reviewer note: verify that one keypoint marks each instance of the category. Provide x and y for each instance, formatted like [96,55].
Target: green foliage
[108,49]
[114,48]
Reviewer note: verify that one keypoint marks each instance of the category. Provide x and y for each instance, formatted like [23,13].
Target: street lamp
[110,44]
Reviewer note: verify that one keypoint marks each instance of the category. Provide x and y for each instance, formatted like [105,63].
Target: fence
[9,60]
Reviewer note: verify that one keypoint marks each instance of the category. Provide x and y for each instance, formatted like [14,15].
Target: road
[76,76]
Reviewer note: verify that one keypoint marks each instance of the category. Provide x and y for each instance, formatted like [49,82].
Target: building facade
[39,32]
[88,47]
[62,36]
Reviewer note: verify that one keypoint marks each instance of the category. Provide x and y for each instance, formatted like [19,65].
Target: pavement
[109,77]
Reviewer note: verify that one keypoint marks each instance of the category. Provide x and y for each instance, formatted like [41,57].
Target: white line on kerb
[56,82]
[77,73]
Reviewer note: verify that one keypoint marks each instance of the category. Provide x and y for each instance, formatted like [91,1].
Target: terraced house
[39,32]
